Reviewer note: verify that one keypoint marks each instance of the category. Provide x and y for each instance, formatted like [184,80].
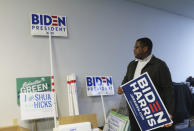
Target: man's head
[143,48]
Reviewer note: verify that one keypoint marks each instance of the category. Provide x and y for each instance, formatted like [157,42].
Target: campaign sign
[43,24]
[37,105]
[99,85]
[145,103]
[116,122]
[32,84]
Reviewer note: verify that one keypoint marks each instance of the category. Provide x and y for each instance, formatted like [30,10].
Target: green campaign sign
[32,84]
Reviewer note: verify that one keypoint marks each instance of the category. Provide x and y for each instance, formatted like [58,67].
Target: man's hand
[120,90]
[169,125]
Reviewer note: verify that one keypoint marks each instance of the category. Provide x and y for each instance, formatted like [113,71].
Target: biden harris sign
[99,85]
[145,103]
[42,25]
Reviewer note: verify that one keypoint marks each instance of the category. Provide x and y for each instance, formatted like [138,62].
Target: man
[158,72]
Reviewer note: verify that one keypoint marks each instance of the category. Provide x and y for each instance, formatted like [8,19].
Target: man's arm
[167,88]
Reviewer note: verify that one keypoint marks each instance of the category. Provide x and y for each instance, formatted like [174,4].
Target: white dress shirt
[140,66]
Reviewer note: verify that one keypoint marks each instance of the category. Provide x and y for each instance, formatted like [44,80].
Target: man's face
[139,50]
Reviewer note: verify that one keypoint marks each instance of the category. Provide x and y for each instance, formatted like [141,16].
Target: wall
[100,42]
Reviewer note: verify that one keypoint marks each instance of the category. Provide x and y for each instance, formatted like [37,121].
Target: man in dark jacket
[158,72]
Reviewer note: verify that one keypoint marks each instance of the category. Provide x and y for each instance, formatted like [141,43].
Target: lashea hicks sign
[43,24]
[145,103]
[37,105]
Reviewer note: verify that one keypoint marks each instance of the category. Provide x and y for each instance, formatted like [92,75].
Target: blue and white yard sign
[145,103]
[97,85]
[37,105]
[43,24]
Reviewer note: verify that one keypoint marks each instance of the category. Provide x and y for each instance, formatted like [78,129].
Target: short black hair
[146,42]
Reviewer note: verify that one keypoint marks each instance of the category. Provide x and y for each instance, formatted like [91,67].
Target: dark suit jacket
[161,78]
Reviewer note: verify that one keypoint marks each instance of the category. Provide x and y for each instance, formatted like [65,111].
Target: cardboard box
[78,119]
[13,128]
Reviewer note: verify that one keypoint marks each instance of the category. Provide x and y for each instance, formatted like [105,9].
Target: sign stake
[103,108]
[52,81]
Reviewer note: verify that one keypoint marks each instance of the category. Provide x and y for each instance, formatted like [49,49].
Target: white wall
[102,34]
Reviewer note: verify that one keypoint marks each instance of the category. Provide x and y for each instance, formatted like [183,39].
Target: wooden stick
[34,125]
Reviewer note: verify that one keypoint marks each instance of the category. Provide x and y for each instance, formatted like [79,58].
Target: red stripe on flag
[53,83]
[54,16]
[104,81]
[68,82]
[55,24]
[55,21]
[103,77]
[155,107]
[151,108]
[52,77]
[158,105]
[53,90]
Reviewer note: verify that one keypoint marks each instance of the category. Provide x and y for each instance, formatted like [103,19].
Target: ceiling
[179,7]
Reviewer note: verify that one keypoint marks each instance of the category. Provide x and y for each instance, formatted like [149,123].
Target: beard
[139,56]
